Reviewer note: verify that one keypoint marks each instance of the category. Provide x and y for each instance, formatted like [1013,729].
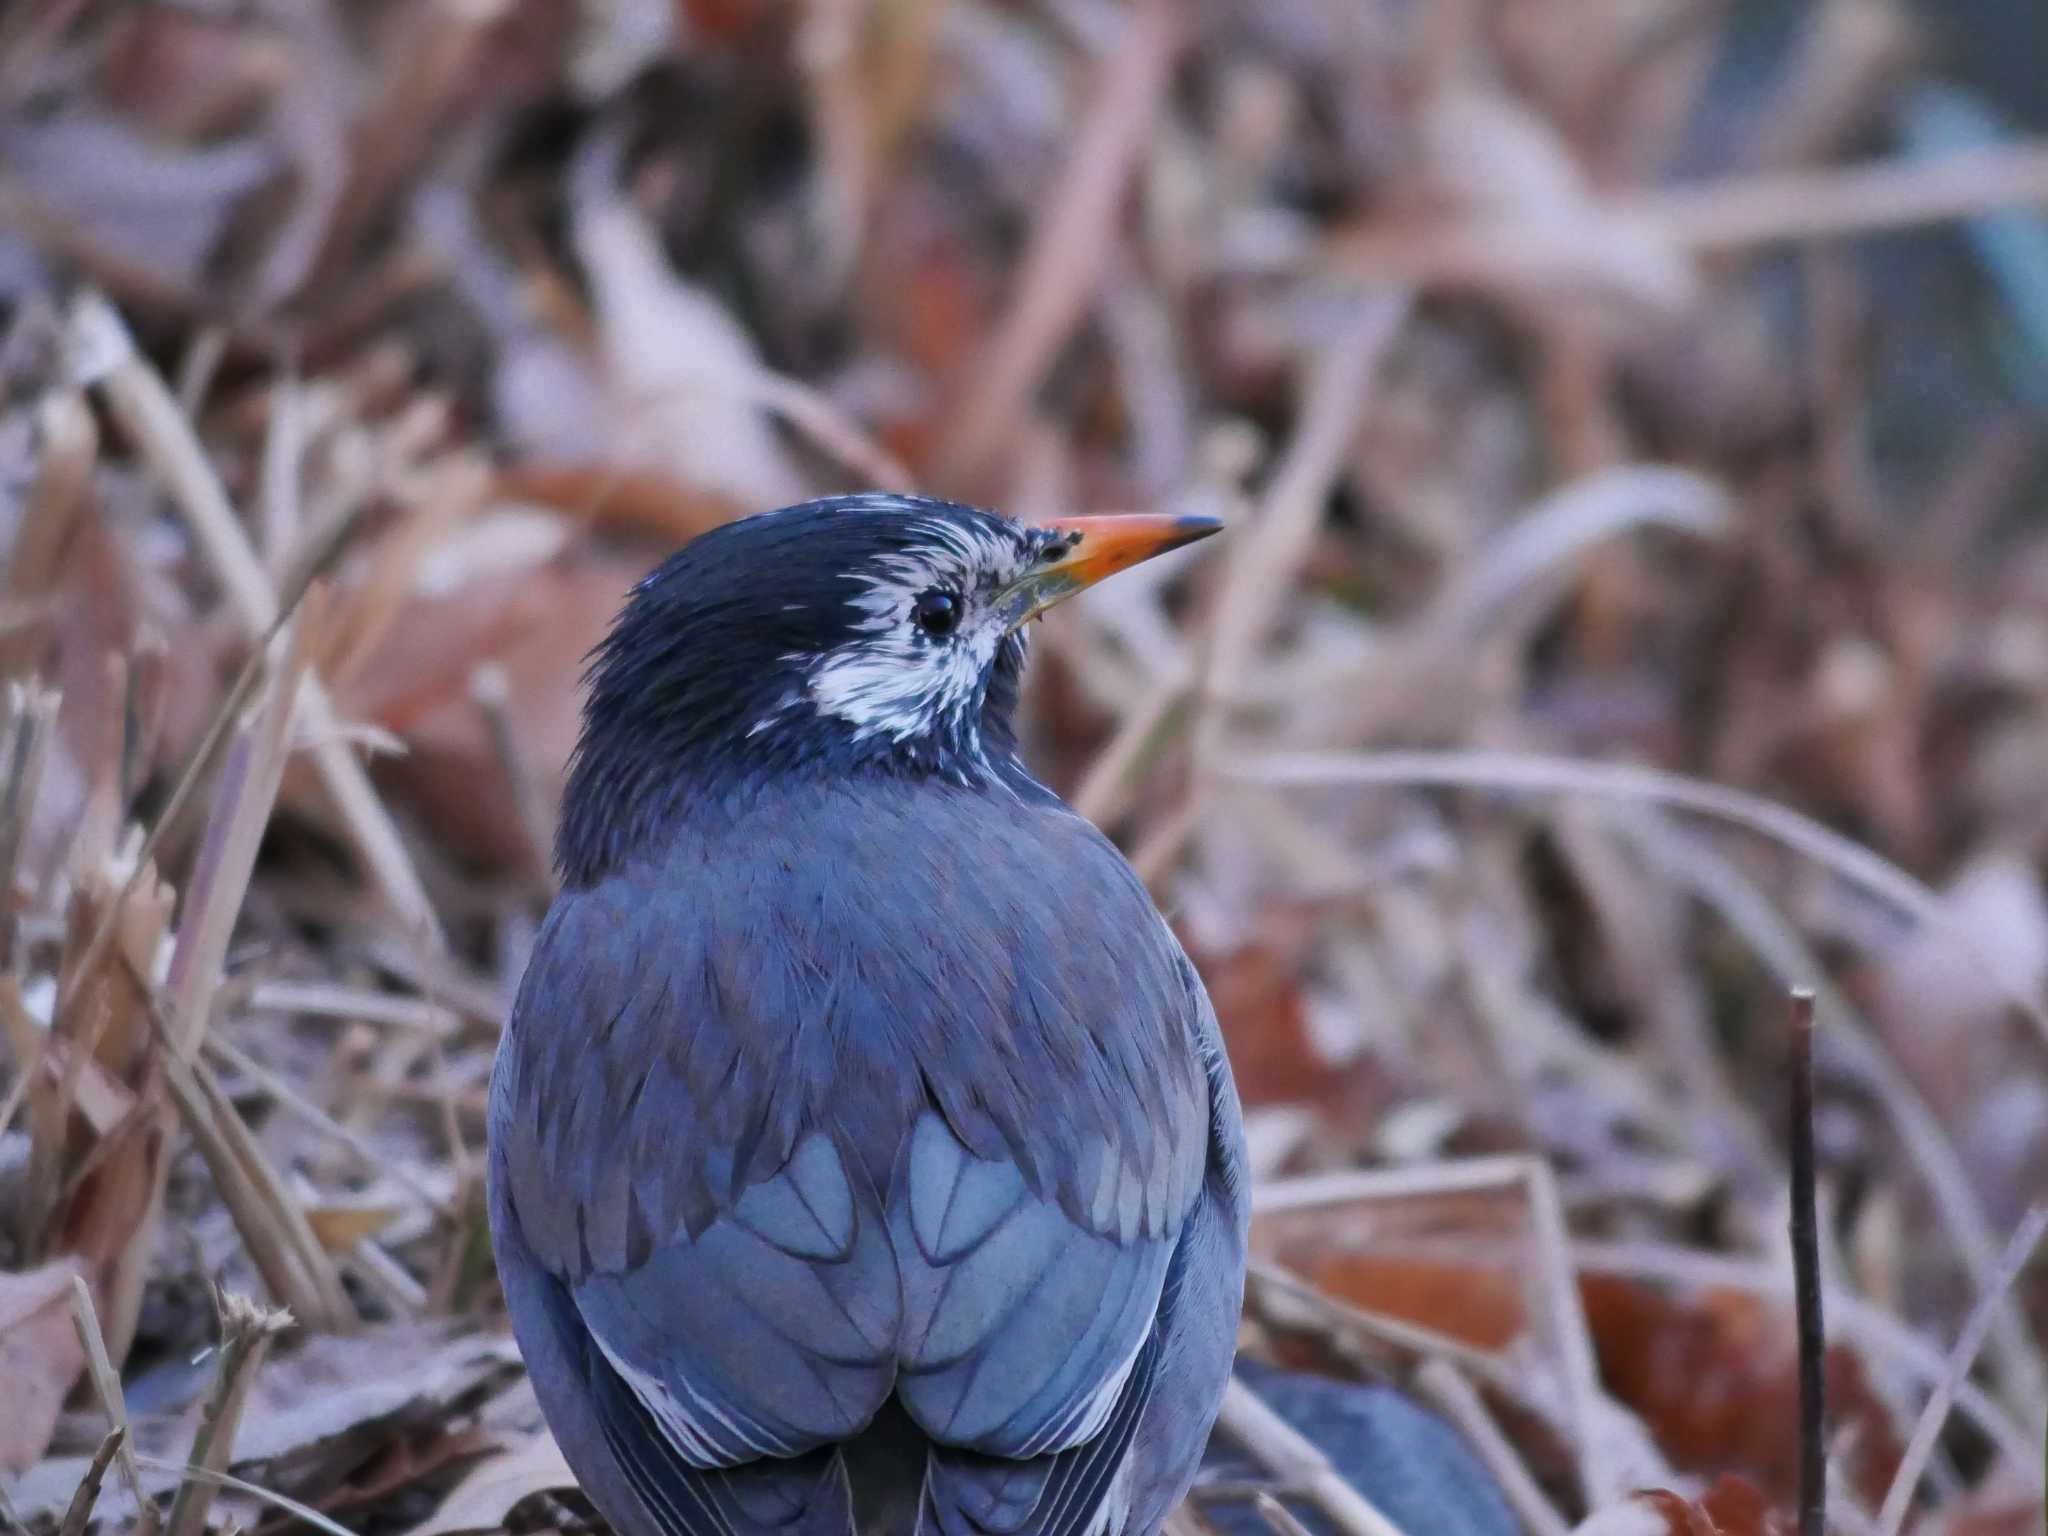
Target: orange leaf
[1716,1379]
[1731,1507]
[1481,1307]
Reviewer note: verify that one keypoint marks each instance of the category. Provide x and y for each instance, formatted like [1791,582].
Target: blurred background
[1630,418]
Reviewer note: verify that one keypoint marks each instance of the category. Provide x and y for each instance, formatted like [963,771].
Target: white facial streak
[891,679]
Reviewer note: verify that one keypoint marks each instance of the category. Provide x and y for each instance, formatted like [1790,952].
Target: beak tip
[1192,526]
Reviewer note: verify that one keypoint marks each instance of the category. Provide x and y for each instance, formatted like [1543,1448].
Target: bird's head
[858,634]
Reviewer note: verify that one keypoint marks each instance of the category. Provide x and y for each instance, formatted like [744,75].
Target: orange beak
[1091,548]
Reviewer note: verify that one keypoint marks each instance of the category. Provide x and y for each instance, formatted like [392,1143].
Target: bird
[863,1154]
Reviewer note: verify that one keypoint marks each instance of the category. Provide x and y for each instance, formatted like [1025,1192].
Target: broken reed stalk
[106,1383]
[1813,1445]
[1289,1456]
[79,1510]
[246,1330]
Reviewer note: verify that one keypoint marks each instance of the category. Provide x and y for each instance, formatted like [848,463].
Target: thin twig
[246,1330]
[336,1000]
[1898,1499]
[106,1383]
[491,691]
[242,805]
[272,1224]
[1266,558]
[225,717]
[1470,1175]
[1813,1445]
[1529,772]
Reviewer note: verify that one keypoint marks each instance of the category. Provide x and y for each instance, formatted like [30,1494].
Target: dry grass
[1629,416]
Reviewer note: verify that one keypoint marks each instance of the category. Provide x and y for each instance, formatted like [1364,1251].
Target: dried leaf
[1716,1380]
[1482,1307]
[1259,1005]
[1731,1507]
[40,1357]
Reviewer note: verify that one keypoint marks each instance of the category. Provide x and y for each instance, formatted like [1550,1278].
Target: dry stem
[246,1330]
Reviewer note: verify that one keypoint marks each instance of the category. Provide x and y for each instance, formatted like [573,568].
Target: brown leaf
[1716,1379]
[1259,1006]
[1731,1507]
[40,1357]
[105,1213]
[1482,1307]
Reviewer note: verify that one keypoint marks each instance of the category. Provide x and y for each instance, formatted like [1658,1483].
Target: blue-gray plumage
[863,1154]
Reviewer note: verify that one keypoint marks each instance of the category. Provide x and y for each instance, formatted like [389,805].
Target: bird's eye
[937,613]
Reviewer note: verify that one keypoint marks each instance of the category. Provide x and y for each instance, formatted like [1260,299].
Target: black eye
[937,613]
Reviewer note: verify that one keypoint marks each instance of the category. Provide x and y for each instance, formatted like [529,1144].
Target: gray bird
[863,1153]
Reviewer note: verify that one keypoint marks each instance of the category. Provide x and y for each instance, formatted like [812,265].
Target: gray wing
[736,1279]
[742,1279]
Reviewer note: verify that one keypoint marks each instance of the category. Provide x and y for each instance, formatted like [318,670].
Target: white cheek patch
[902,686]
[893,680]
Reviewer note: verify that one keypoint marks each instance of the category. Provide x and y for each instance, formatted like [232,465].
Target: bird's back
[863,1147]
